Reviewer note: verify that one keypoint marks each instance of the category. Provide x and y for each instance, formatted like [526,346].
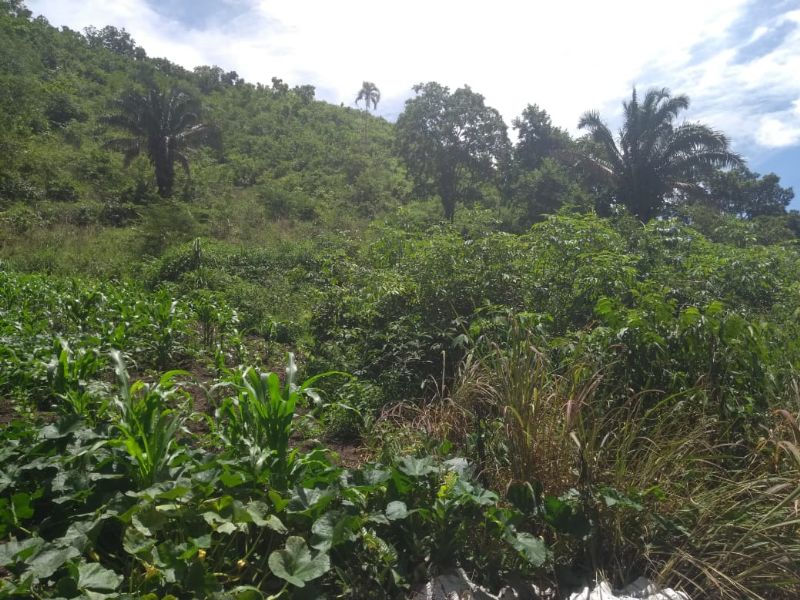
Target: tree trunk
[165,171]
[447,193]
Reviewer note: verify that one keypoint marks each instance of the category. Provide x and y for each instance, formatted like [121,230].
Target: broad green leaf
[175,493]
[22,506]
[458,465]
[259,512]
[93,576]
[149,521]
[295,563]
[135,542]
[15,551]
[77,534]
[246,592]
[49,561]
[376,475]
[333,528]
[232,478]
[304,499]
[531,547]
[227,528]
[416,467]
[62,428]
[484,497]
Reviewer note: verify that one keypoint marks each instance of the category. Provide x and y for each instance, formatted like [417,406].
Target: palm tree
[653,159]
[369,93]
[163,125]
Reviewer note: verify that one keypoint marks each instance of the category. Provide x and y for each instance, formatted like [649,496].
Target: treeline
[69,98]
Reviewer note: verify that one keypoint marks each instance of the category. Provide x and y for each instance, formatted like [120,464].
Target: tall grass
[658,480]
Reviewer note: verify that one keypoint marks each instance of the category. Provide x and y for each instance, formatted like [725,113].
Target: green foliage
[260,419]
[543,191]
[163,125]
[653,157]
[68,374]
[538,138]
[448,140]
[742,192]
[616,384]
[147,426]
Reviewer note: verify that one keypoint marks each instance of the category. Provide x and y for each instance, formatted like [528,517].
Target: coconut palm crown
[162,125]
[653,159]
[369,93]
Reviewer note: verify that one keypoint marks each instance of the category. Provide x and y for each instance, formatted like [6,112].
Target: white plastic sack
[641,589]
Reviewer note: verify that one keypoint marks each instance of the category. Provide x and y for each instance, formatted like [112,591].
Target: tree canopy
[449,139]
[653,158]
[369,94]
[744,193]
[538,137]
[163,125]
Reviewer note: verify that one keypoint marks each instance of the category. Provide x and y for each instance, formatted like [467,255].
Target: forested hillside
[255,345]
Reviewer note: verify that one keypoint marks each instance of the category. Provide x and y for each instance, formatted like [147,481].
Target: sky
[737,60]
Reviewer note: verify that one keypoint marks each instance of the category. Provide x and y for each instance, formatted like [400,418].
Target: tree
[213,78]
[543,191]
[540,180]
[744,193]
[163,125]
[109,37]
[448,140]
[369,93]
[538,138]
[654,159]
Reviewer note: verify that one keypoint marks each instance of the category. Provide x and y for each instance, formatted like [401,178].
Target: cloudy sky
[738,60]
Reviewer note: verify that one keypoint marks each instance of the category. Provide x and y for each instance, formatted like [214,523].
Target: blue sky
[738,60]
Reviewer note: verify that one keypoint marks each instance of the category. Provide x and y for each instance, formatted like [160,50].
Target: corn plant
[166,326]
[259,420]
[147,425]
[68,374]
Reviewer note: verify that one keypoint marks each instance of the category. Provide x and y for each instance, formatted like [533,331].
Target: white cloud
[752,98]
[777,133]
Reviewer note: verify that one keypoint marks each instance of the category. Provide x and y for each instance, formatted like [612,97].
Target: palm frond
[653,158]
[130,147]
[122,144]
[600,133]
[128,122]
[162,123]
[195,134]
[704,162]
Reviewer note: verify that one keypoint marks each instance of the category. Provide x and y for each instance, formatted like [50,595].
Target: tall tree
[538,138]
[163,125]
[653,158]
[369,93]
[540,178]
[747,194]
[111,38]
[450,140]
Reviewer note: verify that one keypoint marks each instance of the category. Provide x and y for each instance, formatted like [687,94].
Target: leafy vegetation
[289,377]
[163,124]
[654,158]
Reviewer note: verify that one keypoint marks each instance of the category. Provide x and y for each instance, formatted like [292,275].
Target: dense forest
[255,345]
